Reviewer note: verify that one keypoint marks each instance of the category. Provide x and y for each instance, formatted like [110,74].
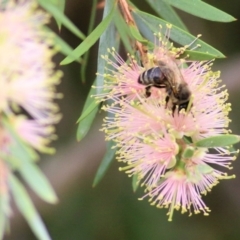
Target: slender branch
[126,12]
[127,15]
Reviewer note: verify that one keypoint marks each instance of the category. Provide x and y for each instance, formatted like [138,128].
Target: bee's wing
[170,75]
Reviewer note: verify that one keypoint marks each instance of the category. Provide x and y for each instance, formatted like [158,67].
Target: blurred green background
[111,210]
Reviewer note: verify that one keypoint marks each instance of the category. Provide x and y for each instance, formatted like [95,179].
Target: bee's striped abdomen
[152,76]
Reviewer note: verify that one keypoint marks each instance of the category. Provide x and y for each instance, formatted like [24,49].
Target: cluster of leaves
[112,25]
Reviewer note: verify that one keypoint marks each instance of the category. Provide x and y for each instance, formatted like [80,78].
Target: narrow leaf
[136,34]
[37,181]
[5,201]
[60,4]
[27,209]
[218,141]
[107,40]
[90,28]
[59,16]
[123,31]
[105,163]
[85,124]
[145,29]
[197,56]
[64,48]
[178,35]
[201,9]
[19,149]
[86,111]
[88,114]
[167,12]
[90,39]
[135,182]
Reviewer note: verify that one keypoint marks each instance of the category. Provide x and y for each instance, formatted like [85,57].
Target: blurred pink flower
[33,132]
[28,76]
[152,139]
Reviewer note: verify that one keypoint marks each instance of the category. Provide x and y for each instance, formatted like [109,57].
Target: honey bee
[170,78]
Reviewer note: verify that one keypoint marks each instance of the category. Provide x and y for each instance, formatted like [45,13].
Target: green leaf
[85,124]
[64,48]
[201,9]
[178,35]
[87,109]
[91,39]
[19,149]
[27,209]
[89,112]
[197,56]
[218,141]
[107,40]
[167,12]
[136,34]
[188,152]
[105,163]
[123,31]
[60,4]
[144,28]
[59,16]
[90,28]
[135,182]
[37,181]
[5,207]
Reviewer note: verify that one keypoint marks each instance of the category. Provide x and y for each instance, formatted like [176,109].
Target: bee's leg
[183,106]
[166,100]
[141,63]
[147,91]
[159,86]
[173,109]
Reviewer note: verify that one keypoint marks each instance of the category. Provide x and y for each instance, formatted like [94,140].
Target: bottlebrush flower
[28,78]
[157,144]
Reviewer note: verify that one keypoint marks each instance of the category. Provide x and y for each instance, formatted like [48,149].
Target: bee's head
[183,92]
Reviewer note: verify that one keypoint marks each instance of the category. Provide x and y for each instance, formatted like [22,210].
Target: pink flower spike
[157,114]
